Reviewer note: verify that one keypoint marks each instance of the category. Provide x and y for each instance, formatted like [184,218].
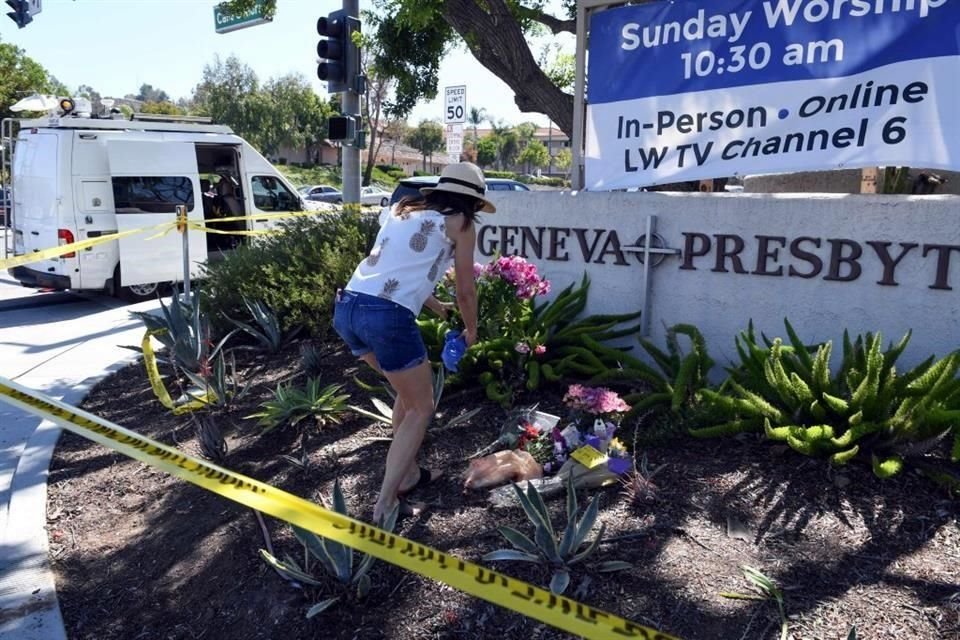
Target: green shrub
[509,175]
[295,272]
[523,345]
[867,409]
[387,168]
[548,182]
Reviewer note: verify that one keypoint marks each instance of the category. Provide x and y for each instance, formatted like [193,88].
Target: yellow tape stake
[561,612]
[56,252]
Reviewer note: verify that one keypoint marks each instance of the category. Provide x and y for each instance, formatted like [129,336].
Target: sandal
[426,477]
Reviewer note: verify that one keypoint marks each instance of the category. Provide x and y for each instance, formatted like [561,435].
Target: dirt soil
[141,555]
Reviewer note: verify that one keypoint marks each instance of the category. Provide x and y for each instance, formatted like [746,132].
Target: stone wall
[826,262]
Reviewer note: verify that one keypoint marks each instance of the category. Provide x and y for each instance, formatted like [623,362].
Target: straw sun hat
[466,179]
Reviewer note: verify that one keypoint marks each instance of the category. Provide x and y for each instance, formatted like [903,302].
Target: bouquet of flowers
[585,447]
[588,439]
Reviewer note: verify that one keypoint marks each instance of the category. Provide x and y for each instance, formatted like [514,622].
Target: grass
[329,174]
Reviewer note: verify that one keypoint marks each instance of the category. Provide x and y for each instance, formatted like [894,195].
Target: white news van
[76,177]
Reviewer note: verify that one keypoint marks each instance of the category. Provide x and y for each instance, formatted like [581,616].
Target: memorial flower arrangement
[594,419]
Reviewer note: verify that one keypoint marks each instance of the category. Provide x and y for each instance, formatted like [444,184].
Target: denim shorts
[371,324]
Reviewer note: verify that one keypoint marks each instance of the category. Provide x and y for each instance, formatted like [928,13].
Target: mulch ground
[140,555]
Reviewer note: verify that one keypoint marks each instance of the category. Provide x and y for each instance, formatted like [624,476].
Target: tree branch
[496,40]
[555,24]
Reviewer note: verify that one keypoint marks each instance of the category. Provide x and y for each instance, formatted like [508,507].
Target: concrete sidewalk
[60,346]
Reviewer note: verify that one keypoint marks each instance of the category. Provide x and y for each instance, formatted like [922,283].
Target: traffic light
[21,12]
[339,57]
[342,129]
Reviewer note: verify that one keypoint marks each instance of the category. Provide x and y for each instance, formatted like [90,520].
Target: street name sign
[224,23]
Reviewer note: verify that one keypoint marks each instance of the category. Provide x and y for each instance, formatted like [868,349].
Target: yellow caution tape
[268,216]
[561,612]
[156,383]
[55,252]
[247,232]
[162,229]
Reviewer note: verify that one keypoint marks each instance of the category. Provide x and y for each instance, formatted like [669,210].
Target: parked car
[412,186]
[322,193]
[375,196]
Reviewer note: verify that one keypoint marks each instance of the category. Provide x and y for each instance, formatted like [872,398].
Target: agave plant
[767,590]
[267,330]
[336,560]
[184,331]
[563,553]
[291,405]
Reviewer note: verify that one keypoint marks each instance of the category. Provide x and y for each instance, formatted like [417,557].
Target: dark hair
[445,203]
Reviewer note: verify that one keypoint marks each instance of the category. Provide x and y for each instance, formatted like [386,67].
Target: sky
[115,46]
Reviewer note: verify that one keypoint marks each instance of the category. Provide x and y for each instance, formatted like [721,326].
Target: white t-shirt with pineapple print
[409,257]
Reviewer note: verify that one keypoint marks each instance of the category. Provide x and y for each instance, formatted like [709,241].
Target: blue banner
[663,48]
[679,91]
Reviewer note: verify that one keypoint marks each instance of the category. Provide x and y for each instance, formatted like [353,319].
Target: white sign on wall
[825,262]
[454,138]
[455,104]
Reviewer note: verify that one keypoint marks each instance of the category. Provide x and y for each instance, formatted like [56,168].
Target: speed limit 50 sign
[455,104]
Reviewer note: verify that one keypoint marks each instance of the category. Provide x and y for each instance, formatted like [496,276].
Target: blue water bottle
[454,346]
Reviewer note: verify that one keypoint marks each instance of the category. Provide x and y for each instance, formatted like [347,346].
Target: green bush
[397,174]
[866,409]
[510,175]
[295,272]
[548,182]
[418,172]
[387,168]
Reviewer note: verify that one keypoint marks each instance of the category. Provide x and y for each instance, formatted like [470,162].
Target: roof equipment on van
[157,117]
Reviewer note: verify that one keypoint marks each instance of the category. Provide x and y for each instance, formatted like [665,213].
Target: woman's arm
[442,309]
[465,241]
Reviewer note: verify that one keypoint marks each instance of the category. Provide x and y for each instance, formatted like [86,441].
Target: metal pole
[182,222]
[350,105]
[576,177]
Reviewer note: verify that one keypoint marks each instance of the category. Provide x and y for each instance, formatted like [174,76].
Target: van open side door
[149,180]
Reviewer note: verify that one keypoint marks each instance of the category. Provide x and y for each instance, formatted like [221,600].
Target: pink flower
[540,349]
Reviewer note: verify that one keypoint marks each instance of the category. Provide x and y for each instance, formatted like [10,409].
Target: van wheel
[134,293]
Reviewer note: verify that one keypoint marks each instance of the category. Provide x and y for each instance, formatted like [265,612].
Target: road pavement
[58,343]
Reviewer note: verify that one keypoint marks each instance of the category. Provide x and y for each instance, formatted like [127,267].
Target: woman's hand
[470,337]
[442,309]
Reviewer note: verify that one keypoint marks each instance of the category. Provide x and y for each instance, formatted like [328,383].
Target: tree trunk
[497,42]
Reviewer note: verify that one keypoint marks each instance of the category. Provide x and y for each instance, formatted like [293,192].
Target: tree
[164,108]
[487,150]
[22,76]
[426,138]
[534,154]
[475,118]
[416,34]
[495,33]
[563,159]
[396,131]
[374,101]
[228,94]
[149,94]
